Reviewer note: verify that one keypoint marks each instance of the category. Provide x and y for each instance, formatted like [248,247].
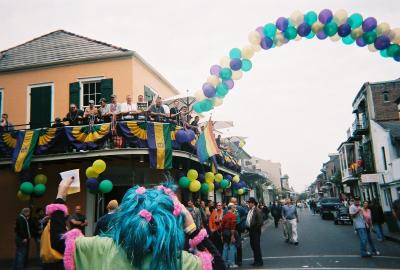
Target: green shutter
[75,94]
[107,89]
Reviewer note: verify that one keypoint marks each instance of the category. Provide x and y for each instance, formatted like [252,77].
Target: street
[322,245]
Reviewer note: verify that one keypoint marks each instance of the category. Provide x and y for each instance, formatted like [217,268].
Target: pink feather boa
[206,259]
[69,259]
[198,238]
[51,208]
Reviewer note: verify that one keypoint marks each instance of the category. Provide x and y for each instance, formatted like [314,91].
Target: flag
[8,141]
[48,137]
[206,144]
[213,166]
[87,137]
[23,152]
[160,146]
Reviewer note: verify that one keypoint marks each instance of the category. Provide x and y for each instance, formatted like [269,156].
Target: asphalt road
[322,245]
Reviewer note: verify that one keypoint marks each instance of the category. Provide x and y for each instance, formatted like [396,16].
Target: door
[40,107]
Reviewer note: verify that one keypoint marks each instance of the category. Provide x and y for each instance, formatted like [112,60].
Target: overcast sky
[294,105]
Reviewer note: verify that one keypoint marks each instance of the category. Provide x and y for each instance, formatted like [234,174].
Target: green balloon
[290,33]
[355,20]
[26,188]
[225,73]
[311,17]
[105,186]
[39,189]
[235,53]
[348,40]
[184,182]
[311,35]
[246,64]
[383,53]
[393,50]
[206,105]
[204,188]
[224,183]
[270,30]
[222,89]
[369,37]
[331,28]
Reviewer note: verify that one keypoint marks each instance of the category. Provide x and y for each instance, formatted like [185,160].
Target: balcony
[360,126]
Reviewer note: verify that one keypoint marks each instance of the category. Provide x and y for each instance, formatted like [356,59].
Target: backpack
[47,253]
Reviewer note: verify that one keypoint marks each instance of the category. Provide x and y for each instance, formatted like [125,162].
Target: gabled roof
[58,47]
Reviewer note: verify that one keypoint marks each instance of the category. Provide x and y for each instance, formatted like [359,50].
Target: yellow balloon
[210,186]
[396,35]
[194,186]
[297,17]
[218,177]
[23,197]
[298,38]
[240,191]
[356,33]
[236,179]
[340,16]
[199,95]
[383,28]
[280,37]
[91,173]
[237,75]
[99,166]
[192,174]
[371,48]
[247,52]
[317,27]
[335,38]
[254,37]
[224,62]
[217,102]
[256,47]
[214,80]
[209,177]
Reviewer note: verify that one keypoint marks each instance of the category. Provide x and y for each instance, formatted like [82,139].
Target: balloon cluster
[185,136]
[26,189]
[98,167]
[337,26]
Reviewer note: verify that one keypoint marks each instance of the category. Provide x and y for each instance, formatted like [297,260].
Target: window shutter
[107,89]
[75,94]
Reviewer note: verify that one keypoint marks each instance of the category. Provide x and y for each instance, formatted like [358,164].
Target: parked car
[342,216]
[329,206]
[318,207]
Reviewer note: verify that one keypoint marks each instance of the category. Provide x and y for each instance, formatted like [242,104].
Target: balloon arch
[338,26]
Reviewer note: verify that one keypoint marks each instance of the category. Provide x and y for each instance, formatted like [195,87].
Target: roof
[58,47]
[361,91]
[392,126]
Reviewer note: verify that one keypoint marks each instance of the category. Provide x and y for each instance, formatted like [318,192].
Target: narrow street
[322,245]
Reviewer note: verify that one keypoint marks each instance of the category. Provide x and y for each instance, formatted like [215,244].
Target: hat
[114,96]
[91,101]
[230,205]
[112,205]
[252,200]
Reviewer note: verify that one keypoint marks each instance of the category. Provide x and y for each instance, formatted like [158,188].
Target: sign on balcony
[370,178]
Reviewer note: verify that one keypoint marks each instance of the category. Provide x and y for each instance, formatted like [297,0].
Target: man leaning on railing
[5,124]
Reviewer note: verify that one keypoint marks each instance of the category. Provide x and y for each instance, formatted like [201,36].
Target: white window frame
[81,81]
[156,94]
[28,101]
[2,101]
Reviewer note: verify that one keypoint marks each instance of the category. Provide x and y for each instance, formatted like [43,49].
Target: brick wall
[386,110]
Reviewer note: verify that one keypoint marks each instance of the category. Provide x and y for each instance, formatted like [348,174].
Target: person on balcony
[142,107]
[128,109]
[104,111]
[5,124]
[175,112]
[57,123]
[90,115]
[74,116]
[195,124]
[157,111]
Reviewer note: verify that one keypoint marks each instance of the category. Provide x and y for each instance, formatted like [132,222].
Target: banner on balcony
[160,146]
[26,143]
[87,137]
[8,141]
[47,139]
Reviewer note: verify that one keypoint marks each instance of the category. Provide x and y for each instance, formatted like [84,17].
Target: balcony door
[40,106]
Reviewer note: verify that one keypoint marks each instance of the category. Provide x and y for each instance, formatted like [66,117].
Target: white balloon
[335,38]
[396,35]
[214,80]
[224,62]
[199,95]
[297,17]
[237,75]
[371,48]
[254,37]
[217,102]
[247,51]
[256,48]
[383,28]
[340,16]
[317,27]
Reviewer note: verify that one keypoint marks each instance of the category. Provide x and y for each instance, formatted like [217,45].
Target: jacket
[256,221]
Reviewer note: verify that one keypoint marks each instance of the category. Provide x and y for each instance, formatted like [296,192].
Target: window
[384,157]
[91,91]
[385,96]
[149,93]
[1,101]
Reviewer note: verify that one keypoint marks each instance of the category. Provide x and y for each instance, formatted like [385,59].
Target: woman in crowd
[368,223]
[147,232]
[214,225]
[378,218]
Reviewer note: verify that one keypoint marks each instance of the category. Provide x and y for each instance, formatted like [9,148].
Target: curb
[393,239]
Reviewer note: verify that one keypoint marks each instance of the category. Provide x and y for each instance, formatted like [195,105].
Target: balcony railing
[360,126]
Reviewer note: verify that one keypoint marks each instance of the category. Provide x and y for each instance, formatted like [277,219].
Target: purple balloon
[260,30]
[325,16]
[304,29]
[215,69]
[235,64]
[282,23]
[182,136]
[382,42]
[369,24]
[229,83]
[266,43]
[190,135]
[360,42]
[92,184]
[344,30]
[209,90]
[321,35]
[397,58]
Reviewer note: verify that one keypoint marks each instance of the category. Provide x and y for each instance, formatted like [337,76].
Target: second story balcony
[360,126]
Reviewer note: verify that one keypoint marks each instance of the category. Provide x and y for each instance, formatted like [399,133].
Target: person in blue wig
[148,231]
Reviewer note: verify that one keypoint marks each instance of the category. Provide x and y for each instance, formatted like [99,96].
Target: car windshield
[330,200]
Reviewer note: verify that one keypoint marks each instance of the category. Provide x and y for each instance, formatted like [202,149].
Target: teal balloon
[26,188]
[39,189]
[384,53]
[222,90]
[290,33]
[225,73]
[105,186]
[206,105]
[224,184]
[197,107]
[311,35]
[348,40]
[393,50]
[270,30]
[204,188]
[184,182]
[369,37]
[310,17]
[246,65]
[235,53]
[331,28]
[355,20]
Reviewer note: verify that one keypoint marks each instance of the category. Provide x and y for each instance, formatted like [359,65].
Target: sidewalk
[392,236]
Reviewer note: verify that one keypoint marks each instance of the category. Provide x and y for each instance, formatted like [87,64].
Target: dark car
[329,206]
[342,216]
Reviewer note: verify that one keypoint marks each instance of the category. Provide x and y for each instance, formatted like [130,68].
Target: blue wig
[162,237]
